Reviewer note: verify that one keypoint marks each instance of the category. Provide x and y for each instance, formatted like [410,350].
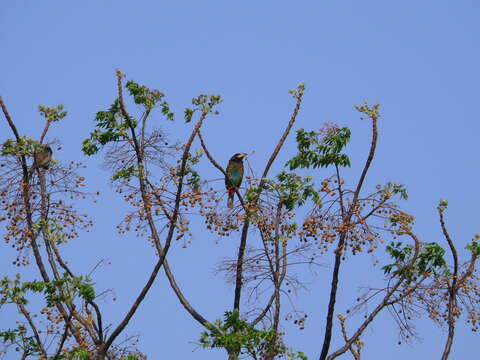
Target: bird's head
[238,157]
[48,149]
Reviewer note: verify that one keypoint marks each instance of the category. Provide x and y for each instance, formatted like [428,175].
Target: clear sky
[418,59]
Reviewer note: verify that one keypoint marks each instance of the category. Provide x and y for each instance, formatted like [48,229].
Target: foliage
[19,338]
[112,125]
[65,289]
[77,353]
[52,113]
[291,189]
[193,179]
[149,98]
[237,336]
[317,151]
[25,147]
[370,111]
[430,261]
[393,189]
[126,173]
[204,104]
[474,247]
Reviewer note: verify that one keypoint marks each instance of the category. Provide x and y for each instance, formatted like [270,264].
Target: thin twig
[25,313]
[355,354]
[9,120]
[384,302]
[64,336]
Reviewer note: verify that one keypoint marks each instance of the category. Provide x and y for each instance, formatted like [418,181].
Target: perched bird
[234,177]
[42,158]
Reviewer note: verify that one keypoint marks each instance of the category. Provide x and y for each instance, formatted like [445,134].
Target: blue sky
[419,60]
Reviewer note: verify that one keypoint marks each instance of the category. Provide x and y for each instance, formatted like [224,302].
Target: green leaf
[52,113]
[321,149]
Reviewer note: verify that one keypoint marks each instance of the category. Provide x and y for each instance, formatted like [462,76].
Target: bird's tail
[230,198]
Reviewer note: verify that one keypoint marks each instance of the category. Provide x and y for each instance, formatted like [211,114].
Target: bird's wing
[228,170]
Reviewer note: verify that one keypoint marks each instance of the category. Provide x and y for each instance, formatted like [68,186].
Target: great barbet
[234,177]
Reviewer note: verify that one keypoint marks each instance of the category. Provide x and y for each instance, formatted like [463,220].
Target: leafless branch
[453,288]
[243,238]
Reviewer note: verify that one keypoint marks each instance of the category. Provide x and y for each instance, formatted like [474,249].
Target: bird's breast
[235,175]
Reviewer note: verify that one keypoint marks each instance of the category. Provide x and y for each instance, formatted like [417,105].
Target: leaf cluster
[24,147]
[371,111]
[19,337]
[204,104]
[65,289]
[193,178]
[142,95]
[291,189]
[430,261]
[317,151]
[474,247]
[236,335]
[126,173]
[111,125]
[52,113]
[392,188]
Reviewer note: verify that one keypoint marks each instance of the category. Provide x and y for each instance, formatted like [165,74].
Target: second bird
[234,177]
[43,157]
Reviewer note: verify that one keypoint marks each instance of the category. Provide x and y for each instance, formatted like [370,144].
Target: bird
[234,176]
[43,158]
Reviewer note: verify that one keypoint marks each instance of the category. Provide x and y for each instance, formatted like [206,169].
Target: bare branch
[45,130]
[9,119]
[246,224]
[453,287]
[181,297]
[134,307]
[299,97]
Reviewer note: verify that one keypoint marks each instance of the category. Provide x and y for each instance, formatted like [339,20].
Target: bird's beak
[241,156]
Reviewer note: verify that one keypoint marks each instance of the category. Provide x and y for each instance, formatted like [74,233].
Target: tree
[283,221]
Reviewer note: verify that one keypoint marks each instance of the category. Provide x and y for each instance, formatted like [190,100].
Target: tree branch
[355,354]
[162,252]
[134,307]
[64,336]
[181,297]
[9,120]
[452,288]
[382,305]
[246,224]
[214,163]
[26,314]
[341,242]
